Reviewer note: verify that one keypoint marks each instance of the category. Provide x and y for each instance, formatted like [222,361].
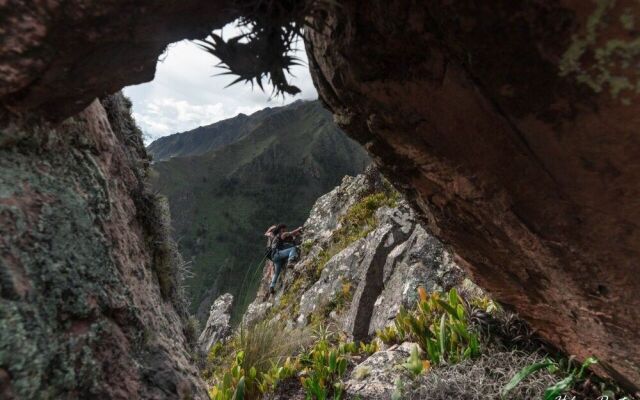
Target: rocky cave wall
[510,126]
[90,302]
[513,127]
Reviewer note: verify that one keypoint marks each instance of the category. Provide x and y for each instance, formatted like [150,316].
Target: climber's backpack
[274,245]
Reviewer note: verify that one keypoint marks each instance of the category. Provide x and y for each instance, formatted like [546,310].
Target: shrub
[214,352]
[306,246]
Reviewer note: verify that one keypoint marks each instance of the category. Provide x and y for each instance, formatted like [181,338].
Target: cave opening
[286,150]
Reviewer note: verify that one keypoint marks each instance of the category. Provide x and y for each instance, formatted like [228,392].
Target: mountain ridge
[211,137]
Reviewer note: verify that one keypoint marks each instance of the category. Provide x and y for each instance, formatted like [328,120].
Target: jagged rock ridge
[372,276]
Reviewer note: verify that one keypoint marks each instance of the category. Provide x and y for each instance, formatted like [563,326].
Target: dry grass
[482,378]
[266,343]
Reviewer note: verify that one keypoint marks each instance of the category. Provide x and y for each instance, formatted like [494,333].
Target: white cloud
[184,93]
[166,115]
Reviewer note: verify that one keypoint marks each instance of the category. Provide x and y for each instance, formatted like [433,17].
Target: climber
[281,249]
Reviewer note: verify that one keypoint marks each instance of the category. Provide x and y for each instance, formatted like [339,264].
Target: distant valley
[227,182]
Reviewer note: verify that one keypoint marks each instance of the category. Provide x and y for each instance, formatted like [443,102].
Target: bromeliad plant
[324,367]
[325,364]
[416,365]
[439,325]
[238,383]
[277,373]
[233,383]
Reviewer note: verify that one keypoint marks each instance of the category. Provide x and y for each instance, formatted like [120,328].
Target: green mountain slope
[223,200]
[207,138]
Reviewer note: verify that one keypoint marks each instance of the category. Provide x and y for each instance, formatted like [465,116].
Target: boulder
[217,328]
[376,377]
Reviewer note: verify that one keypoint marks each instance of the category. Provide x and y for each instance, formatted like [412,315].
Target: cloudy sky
[184,93]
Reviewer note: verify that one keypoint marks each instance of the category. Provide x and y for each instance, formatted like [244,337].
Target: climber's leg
[277,265]
[293,254]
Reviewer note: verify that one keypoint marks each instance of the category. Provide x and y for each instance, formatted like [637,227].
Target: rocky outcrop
[361,288]
[90,302]
[324,217]
[421,260]
[371,279]
[218,328]
[511,127]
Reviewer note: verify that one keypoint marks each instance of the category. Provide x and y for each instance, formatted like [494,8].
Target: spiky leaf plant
[264,51]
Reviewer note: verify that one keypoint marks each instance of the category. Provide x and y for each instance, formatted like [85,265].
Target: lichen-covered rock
[420,261]
[395,227]
[217,328]
[385,268]
[376,377]
[256,312]
[90,302]
[324,217]
[343,267]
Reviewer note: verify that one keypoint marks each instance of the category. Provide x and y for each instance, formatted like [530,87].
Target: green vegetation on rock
[257,359]
[356,224]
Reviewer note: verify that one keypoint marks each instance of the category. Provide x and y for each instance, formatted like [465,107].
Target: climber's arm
[269,231]
[294,232]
